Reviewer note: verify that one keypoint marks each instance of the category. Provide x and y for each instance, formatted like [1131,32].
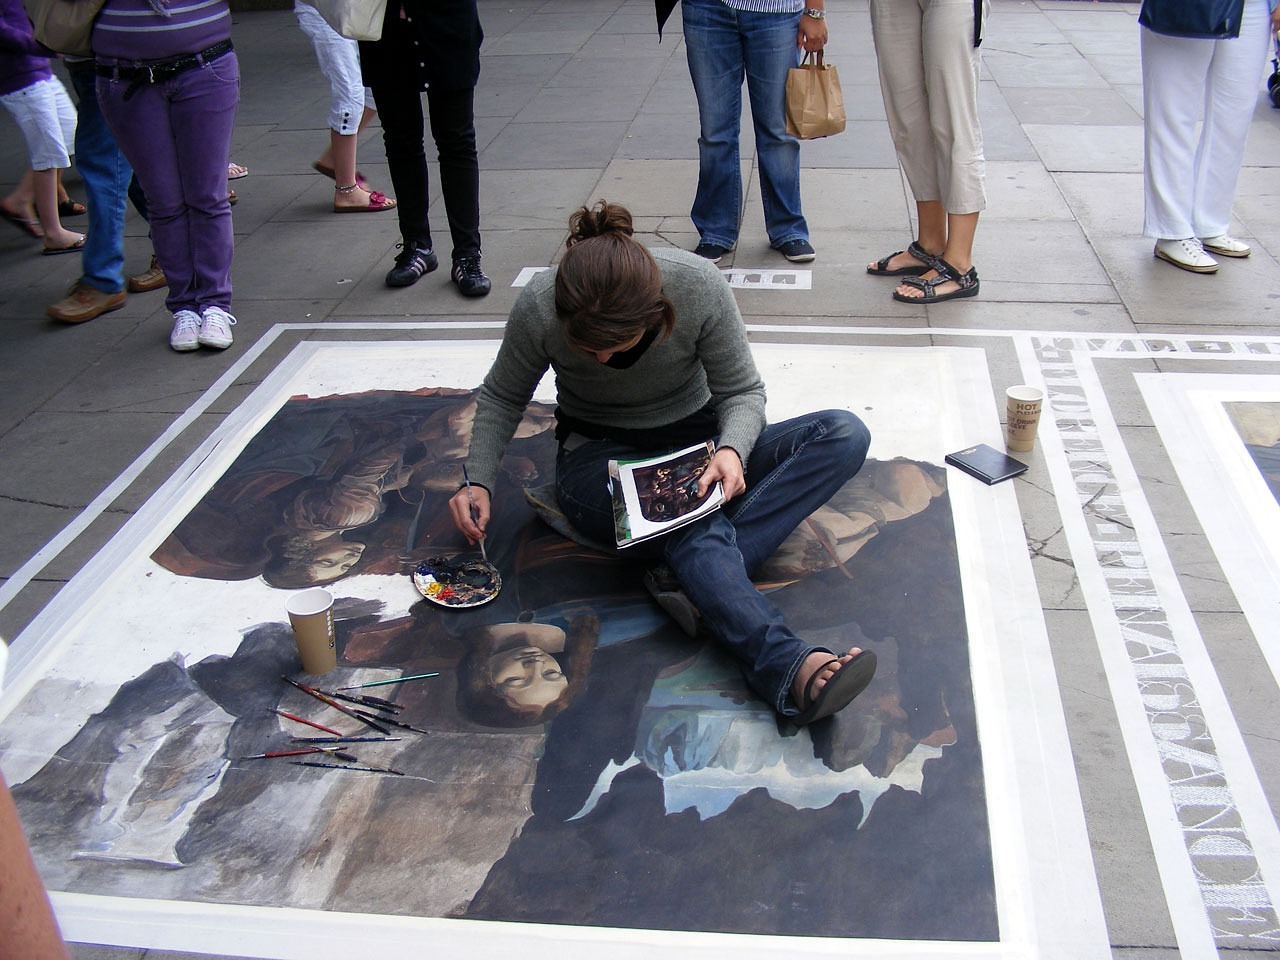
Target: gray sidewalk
[577,101]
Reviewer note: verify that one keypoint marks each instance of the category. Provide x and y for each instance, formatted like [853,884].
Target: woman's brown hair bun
[603,218]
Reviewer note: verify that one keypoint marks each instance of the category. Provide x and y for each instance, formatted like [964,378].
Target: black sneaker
[797,251]
[471,281]
[711,251]
[665,589]
[411,263]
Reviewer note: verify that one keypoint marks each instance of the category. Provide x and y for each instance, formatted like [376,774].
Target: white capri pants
[47,118]
[1189,183]
[929,71]
[340,63]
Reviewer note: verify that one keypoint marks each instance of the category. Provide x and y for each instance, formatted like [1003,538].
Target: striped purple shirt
[132,30]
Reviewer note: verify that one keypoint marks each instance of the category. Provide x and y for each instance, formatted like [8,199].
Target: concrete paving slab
[1082,147]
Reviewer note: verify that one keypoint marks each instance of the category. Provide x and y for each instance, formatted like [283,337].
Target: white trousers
[339,60]
[929,80]
[1190,181]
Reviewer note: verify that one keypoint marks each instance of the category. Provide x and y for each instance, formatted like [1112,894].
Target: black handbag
[1201,19]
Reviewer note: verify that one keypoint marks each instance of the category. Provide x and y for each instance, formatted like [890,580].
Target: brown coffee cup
[311,613]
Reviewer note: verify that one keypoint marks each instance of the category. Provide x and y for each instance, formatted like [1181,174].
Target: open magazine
[660,493]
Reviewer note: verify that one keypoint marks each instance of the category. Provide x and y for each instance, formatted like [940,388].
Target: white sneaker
[186,331]
[1187,254]
[1226,246]
[215,328]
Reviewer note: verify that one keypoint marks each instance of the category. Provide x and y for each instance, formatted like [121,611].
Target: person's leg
[19,205]
[1231,94]
[897,32]
[106,175]
[403,131]
[1173,97]
[705,559]
[794,468]
[454,132]
[38,112]
[339,61]
[769,44]
[142,129]
[202,110]
[56,236]
[717,68]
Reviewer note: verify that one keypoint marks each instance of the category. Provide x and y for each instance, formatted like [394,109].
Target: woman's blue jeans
[724,46]
[794,468]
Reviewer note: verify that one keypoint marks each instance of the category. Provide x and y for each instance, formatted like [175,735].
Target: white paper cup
[311,613]
[1022,416]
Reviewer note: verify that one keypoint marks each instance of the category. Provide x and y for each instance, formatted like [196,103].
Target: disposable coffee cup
[1022,416]
[311,613]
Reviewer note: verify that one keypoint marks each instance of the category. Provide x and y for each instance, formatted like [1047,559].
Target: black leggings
[453,129]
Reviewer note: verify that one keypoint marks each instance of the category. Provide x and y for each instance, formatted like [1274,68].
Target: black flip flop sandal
[927,262]
[839,691]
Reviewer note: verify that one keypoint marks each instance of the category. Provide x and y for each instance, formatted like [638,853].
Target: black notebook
[986,463]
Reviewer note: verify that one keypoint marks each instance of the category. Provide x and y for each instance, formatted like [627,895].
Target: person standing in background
[1189,180]
[45,115]
[929,61]
[727,40]
[433,45]
[169,84]
[106,175]
[350,110]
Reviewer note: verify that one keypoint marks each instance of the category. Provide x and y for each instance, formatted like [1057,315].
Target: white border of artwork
[1232,501]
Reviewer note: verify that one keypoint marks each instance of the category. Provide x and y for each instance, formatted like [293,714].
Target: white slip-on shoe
[1226,246]
[186,331]
[1187,254]
[215,328]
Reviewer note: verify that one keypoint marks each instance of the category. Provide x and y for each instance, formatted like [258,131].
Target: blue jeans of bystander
[106,175]
[794,468]
[725,45]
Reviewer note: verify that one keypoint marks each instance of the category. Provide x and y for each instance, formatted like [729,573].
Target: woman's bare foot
[821,663]
[60,238]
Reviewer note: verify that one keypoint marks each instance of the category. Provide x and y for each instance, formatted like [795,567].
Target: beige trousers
[929,80]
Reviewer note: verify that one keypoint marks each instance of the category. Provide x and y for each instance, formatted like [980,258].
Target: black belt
[140,73]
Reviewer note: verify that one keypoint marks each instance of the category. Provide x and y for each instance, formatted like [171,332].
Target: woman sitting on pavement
[651,355]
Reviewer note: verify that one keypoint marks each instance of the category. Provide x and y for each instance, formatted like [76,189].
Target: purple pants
[177,136]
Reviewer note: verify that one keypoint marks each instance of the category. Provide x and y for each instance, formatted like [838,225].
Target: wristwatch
[815,13]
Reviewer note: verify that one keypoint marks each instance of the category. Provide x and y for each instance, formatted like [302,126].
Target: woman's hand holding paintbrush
[470,510]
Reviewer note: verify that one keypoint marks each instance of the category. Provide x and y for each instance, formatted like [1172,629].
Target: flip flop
[30,227]
[69,208]
[377,203]
[839,690]
[235,171]
[927,262]
[320,168]
[54,251]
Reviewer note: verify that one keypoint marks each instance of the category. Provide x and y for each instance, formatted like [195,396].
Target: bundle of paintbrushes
[374,712]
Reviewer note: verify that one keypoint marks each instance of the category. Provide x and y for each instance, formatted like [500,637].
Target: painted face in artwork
[331,562]
[527,677]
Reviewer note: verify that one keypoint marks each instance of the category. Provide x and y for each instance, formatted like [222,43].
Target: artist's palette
[457,582]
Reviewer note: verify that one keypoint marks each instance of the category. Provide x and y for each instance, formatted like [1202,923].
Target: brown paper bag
[815,105]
